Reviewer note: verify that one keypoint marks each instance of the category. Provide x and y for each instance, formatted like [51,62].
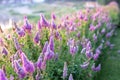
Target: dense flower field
[66,48]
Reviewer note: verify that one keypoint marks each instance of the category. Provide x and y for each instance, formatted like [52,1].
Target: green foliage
[103,1]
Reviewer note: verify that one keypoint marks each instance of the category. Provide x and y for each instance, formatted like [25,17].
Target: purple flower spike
[2,75]
[4,51]
[85,18]
[27,65]
[96,69]
[98,51]
[92,27]
[88,46]
[21,32]
[37,38]
[19,70]
[49,54]
[59,26]
[27,26]
[73,49]
[108,35]
[81,16]
[53,25]
[65,69]
[4,69]
[17,45]
[43,21]
[95,56]
[37,77]
[39,62]
[71,77]
[72,28]
[98,25]
[57,35]
[45,47]
[70,42]
[84,65]
[51,43]
[39,25]
[89,54]
[53,16]
[103,31]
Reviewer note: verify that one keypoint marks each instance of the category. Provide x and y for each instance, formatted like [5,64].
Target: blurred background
[17,9]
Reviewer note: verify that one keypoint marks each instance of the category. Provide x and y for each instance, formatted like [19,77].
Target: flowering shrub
[65,48]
